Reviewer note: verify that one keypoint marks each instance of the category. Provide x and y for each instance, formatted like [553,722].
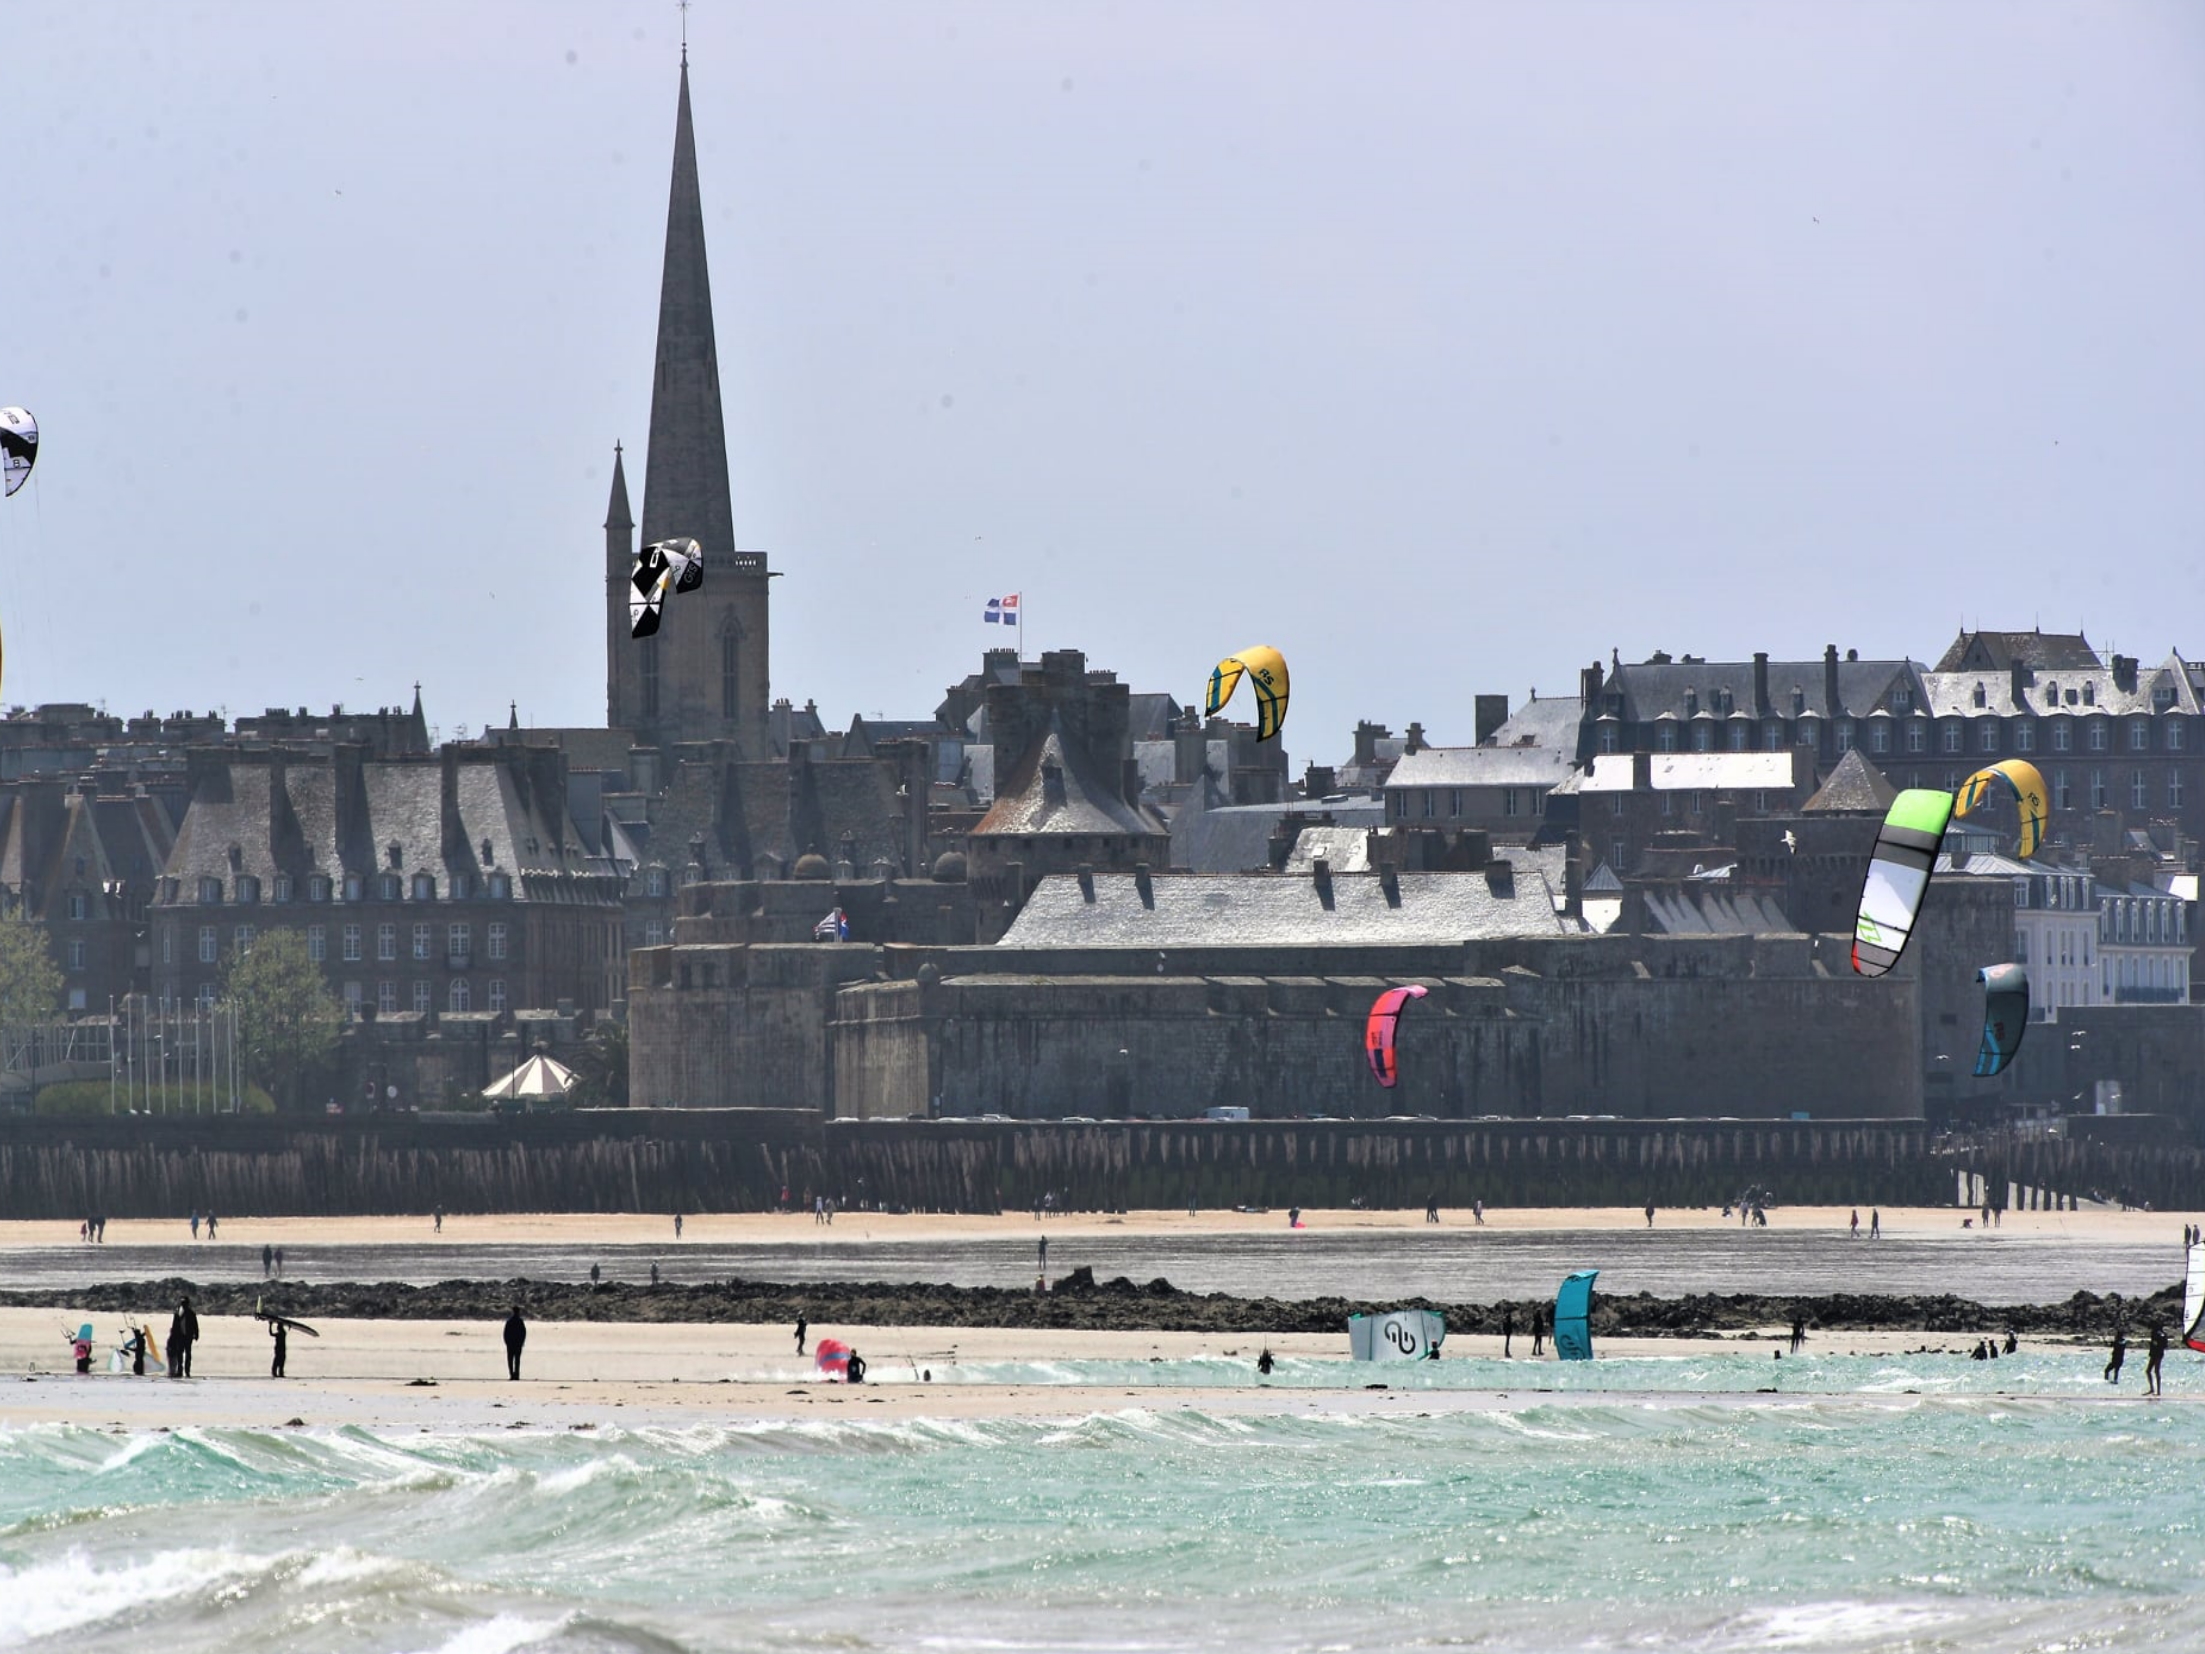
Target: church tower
[704,676]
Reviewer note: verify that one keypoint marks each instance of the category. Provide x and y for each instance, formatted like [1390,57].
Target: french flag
[1003,609]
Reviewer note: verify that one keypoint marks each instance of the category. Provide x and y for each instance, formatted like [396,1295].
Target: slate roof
[1237,838]
[1853,788]
[1533,766]
[1545,721]
[1345,849]
[746,812]
[1650,691]
[1227,910]
[1091,803]
[1686,771]
[1711,910]
[1997,651]
[2062,689]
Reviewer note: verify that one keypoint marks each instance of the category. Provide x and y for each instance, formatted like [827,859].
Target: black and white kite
[662,568]
[18,448]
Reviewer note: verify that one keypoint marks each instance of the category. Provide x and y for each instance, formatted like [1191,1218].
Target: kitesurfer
[2120,1354]
[81,1347]
[853,1371]
[1981,1352]
[802,1326]
[281,1335]
[2154,1353]
[183,1332]
[1264,1363]
[516,1334]
[135,1345]
[2012,1343]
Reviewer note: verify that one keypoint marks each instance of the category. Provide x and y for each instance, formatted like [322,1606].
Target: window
[2174,734]
[2139,735]
[1431,802]
[80,905]
[1772,736]
[244,938]
[286,890]
[1986,735]
[206,995]
[386,998]
[2025,735]
[2139,790]
[2174,789]
[496,999]
[421,998]
[647,664]
[1954,735]
[460,941]
[494,934]
[654,882]
[462,888]
[1511,801]
[1810,733]
[1703,737]
[1454,803]
[1607,737]
[248,888]
[2097,789]
[207,945]
[424,887]
[168,944]
[1668,804]
[730,694]
[1665,738]
[1917,737]
[1761,802]
[457,999]
[1879,736]
[653,933]
[317,943]
[352,942]
[1615,804]
[210,892]
[386,941]
[424,941]
[1739,734]
[2063,735]
[2097,735]
[354,887]
[352,997]
[1845,735]
[500,887]
[2062,796]
[76,956]
[386,887]
[317,888]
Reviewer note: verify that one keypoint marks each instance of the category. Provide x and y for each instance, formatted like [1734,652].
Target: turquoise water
[1827,1521]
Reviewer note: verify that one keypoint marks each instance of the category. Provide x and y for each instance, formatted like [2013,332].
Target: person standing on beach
[195,1223]
[1508,1331]
[439,1215]
[593,1274]
[2120,1354]
[516,1334]
[677,1226]
[1264,1362]
[1855,1230]
[1538,1332]
[278,1332]
[1649,1214]
[134,1347]
[1875,1223]
[2154,1353]
[183,1332]
[1799,1332]
[1045,1254]
[210,1226]
[802,1327]
[1431,1209]
[279,1262]
[267,1260]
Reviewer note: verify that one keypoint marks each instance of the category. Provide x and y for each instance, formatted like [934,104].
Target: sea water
[1848,1516]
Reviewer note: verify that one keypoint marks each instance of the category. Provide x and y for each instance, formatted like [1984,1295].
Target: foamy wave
[500,1634]
[75,1594]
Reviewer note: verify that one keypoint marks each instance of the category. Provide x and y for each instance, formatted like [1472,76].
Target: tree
[287,1020]
[601,1068]
[30,982]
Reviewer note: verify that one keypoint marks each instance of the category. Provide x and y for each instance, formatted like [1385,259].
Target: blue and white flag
[1004,609]
[834,928]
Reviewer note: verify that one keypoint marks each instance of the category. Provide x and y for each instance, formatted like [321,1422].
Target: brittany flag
[834,928]
[1004,609]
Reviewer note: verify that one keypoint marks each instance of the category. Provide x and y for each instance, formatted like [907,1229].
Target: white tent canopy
[538,1077]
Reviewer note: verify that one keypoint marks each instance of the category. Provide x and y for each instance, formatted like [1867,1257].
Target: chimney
[1143,885]
[1760,683]
[1642,772]
[1830,703]
[1087,882]
[2124,673]
[1573,879]
[1320,875]
[1414,741]
[2019,678]
[1367,737]
[1189,748]
[454,834]
[348,766]
[1319,781]
[1488,713]
[1588,685]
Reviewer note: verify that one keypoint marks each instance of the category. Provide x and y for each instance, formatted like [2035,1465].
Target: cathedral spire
[685,490]
[617,520]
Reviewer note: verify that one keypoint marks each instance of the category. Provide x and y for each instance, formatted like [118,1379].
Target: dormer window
[654,882]
[386,887]
[395,852]
[2090,694]
[80,905]
[317,887]
[248,888]
[1902,700]
[286,891]
[501,887]
[355,887]
[488,858]
[210,892]
[1982,697]
[462,887]
[424,887]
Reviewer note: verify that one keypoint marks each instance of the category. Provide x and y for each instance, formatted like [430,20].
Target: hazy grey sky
[1444,346]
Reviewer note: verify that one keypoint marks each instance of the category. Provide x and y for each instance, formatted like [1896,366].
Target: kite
[2005,1017]
[2193,1298]
[831,1355]
[1379,1030]
[18,448]
[1573,1316]
[1267,667]
[661,569]
[2019,778]
[1898,876]
[1399,1335]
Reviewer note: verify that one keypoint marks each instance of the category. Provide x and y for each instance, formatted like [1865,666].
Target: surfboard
[273,1319]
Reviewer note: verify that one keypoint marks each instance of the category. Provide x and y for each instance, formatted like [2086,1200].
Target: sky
[1447,347]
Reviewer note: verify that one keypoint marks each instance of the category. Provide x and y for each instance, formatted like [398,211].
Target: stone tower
[620,648]
[704,676]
